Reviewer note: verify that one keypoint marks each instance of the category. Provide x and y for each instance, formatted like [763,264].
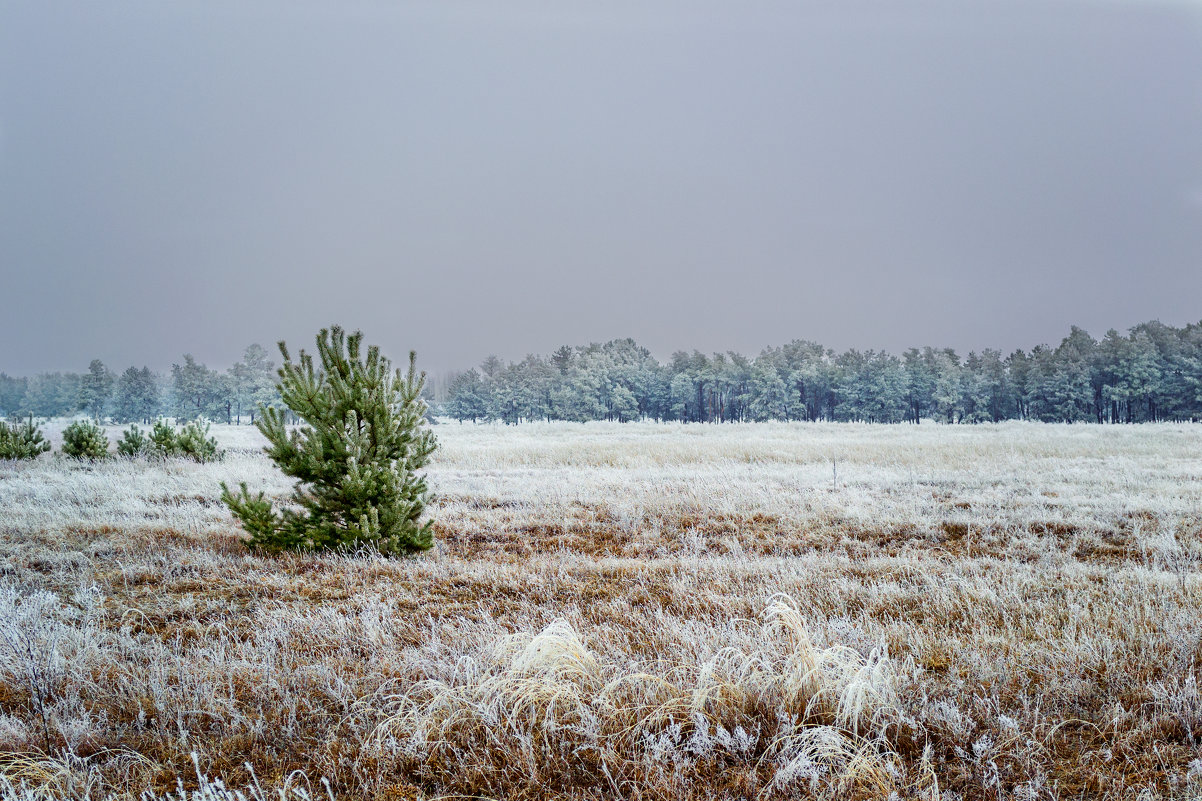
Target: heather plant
[83,439]
[21,440]
[355,456]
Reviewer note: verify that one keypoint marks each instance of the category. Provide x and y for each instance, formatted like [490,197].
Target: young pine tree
[164,443]
[85,440]
[364,436]
[21,440]
[133,443]
[193,441]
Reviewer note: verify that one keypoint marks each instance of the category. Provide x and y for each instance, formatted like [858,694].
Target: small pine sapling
[133,442]
[83,439]
[194,442]
[163,442]
[21,440]
[355,456]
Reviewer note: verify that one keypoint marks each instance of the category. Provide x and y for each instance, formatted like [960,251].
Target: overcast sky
[505,177]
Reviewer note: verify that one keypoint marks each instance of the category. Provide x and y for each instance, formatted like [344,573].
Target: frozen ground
[639,610]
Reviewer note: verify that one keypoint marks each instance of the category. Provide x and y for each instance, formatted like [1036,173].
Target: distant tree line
[138,394]
[1153,373]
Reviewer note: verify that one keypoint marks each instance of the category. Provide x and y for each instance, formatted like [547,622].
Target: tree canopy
[1152,373]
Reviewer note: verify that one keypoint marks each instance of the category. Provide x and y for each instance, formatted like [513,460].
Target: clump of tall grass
[536,706]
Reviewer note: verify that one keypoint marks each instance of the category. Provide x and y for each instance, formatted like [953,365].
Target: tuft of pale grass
[549,697]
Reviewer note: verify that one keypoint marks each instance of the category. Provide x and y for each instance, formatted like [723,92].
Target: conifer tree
[136,397]
[133,442]
[193,441]
[95,389]
[469,397]
[164,443]
[355,456]
[12,393]
[21,440]
[199,391]
[252,382]
[83,439]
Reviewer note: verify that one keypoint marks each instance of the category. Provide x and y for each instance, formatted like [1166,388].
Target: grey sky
[197,176]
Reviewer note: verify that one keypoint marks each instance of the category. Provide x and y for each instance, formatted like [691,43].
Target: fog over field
[465,178]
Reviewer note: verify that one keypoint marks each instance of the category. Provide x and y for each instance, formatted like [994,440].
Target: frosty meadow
[656,611]
[809,402]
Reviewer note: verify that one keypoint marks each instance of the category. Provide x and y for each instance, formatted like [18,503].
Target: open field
[629,611]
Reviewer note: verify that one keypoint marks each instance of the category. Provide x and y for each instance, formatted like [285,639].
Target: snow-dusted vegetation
[625,611]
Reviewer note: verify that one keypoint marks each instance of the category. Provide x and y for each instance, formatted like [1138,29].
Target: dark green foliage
[21,440]
[193,441]
[260,519]
[133,442]
[163,441]
[83,439]
[355,456]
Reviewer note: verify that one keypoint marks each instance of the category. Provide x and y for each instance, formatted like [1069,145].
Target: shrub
[363,437]
[83,439]
[133,442]
[163,441]
[21,440]
[193,441]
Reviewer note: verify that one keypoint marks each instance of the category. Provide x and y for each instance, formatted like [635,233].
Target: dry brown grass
[652,612]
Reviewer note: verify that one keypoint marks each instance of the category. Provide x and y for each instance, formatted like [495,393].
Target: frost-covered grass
[643,611]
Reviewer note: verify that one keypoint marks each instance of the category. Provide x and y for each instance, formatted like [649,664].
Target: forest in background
[1153,373]
[189,391]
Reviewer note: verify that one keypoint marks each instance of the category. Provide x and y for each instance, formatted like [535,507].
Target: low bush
[21,440]
[134,442]
[192,441]
[163,442]
[83,439]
